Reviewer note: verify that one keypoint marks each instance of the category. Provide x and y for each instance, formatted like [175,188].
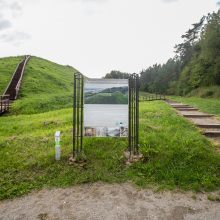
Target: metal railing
[152,97]
[4,103]
[17,87]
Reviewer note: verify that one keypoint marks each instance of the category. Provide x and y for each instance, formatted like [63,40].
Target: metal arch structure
[78,112]
[133,130]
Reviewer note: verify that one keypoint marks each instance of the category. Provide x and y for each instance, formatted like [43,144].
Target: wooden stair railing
[152,97]
[14,85]
[4,103]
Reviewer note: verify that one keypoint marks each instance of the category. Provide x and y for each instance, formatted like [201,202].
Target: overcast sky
[97,36]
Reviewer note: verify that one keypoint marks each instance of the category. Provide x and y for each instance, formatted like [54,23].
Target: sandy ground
[104,201]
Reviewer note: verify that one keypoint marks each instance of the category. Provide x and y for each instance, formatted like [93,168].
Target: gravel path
[109,202]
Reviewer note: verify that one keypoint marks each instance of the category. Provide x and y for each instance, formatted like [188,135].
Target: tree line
[196,62]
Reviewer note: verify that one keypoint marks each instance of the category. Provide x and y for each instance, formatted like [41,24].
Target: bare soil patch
[104,201]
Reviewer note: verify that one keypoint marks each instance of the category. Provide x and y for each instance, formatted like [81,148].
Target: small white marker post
[57,145]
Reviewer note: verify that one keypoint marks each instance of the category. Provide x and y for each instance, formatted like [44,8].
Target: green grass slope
[176,155]
[206,92]
[209,105]
[7,68]
[46,86]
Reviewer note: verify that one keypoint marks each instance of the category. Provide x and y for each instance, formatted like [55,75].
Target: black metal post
[82,113]
[133,137]
[129,114]
[74,114]
[137,113]
[78,102]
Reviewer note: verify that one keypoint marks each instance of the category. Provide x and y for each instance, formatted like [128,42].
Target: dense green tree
[184,51]
[156,79]
[117,75]
[203,69]
[196,64]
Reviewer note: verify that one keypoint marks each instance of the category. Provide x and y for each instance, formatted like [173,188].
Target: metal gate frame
[133,131]
[78,112]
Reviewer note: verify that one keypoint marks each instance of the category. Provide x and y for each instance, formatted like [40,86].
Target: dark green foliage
[157,79]
[196,64]
[114,95]
[203,69]
[108,98]
[123,90]
[117,75]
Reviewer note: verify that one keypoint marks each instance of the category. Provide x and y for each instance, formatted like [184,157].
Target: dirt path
[109,202]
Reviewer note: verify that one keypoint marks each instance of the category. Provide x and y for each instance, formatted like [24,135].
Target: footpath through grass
[209,105]
[176,155]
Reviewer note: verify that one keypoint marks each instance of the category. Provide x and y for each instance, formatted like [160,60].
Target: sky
[97,36]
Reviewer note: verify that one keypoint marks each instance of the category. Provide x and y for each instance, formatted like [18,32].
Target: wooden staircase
[14,85]
[12,90]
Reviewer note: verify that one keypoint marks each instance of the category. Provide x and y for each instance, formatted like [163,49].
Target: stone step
[197,116]
[187,109]
[180,106]
[211,133]
[208,125]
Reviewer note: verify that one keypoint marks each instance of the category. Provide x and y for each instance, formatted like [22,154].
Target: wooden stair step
[208,125]
[187,109]
[180,106]
[197,116]
[211,133]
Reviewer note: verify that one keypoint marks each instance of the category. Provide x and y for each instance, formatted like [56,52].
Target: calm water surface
[105,115]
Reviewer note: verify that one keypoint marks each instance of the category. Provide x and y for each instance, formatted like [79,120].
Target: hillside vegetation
[209,105]
[107,98]
[46,86]
[7,68]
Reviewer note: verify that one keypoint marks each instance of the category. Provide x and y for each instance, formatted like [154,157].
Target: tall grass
[176,155]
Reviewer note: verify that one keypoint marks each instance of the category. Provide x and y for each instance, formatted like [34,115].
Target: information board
[106,108]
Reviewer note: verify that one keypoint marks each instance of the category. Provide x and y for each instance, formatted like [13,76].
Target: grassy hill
[43,77]
[7,68]
[176,155]
[45,86]
[206,92]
